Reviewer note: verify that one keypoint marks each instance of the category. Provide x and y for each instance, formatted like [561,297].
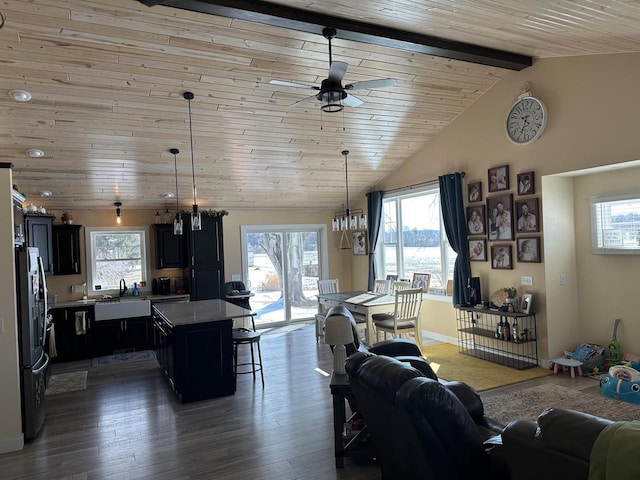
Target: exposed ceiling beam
[312,22]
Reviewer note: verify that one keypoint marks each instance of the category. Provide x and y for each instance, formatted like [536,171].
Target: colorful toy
[622,383]
[613,352]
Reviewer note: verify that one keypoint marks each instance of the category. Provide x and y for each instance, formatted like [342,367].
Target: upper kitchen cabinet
[66,250]
[39,235]
[206,258]
[170,248]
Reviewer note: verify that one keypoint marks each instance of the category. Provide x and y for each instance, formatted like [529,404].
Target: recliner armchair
[423,428]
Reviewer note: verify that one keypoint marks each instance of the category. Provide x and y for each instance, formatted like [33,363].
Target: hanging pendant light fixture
[196,219]
[118,217]
[177,223]
[348,219]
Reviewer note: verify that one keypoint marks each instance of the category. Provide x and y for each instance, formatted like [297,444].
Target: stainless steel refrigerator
[32,328]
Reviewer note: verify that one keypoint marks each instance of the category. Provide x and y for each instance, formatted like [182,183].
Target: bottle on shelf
[506,331]
[500,330]
[514,331]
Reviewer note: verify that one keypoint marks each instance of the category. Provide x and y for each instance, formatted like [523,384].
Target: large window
[615,224]
[113,255]
[414,239]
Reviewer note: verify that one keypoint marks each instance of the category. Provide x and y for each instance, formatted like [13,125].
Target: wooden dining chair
[331,285]
[400,285]
[406,316]
[382,286]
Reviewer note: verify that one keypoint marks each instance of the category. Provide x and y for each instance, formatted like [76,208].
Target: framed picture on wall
[526,184]
[501,257]
[529,249]
[359,243]
[499,178]
[528,215]
[475,192]
[475,220]
[500,217]
[478,250]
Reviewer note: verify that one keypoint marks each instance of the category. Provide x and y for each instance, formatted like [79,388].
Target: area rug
[449,364]
[527,404]
[67,382]
[123,358]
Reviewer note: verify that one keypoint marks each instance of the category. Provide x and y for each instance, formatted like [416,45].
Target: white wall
[11,437]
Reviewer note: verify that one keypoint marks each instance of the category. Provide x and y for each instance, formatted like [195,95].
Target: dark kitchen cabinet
[73,329]
[126,334]
[66,250]
[39,235]
[170,248]
[206,259]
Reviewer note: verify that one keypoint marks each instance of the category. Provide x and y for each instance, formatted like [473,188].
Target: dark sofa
[423,428]
[555,447]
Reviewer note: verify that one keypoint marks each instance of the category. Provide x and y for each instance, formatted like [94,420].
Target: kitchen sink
[122,308]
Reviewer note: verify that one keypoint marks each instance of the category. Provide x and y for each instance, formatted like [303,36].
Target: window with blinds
[615,224]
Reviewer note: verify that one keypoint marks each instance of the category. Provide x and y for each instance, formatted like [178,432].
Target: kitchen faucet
[123,287]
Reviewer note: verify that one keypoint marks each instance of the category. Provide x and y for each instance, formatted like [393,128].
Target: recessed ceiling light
[168,195]
[45,193]
[20,95]
[35,153]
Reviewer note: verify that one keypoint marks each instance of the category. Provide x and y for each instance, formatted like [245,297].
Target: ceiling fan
[331,92]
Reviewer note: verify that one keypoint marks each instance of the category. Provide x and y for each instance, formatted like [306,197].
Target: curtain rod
[415,185]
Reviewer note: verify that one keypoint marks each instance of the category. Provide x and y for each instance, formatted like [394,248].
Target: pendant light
[118,217]
[348,219]
[196,219]
[177,223]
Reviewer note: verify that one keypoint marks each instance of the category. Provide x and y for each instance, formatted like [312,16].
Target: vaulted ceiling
[107,80]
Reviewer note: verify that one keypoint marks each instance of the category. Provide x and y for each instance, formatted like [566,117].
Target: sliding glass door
[282,265]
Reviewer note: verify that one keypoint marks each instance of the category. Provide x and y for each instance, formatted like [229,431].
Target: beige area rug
[67,382]
[123,358]
[449,364]
[527,404]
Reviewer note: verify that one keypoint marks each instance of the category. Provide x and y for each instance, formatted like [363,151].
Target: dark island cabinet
[206,259]
[170,248]
[66,250]
[39,235]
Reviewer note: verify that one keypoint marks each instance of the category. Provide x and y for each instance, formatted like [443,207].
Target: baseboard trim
[12,444]
[440,338]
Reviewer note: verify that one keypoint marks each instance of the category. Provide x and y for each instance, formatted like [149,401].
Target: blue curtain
[374,214]
[453,216]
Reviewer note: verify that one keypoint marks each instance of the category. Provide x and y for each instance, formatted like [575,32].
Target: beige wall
[591,104]
[10,420]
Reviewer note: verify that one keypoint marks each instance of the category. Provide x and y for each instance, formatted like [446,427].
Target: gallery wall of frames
[503,223]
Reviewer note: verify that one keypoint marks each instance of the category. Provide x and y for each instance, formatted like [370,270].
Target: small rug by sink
[123,358]
[67,382]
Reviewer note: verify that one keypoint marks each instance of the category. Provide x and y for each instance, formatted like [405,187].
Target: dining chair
[331,285]
[405,318]
[382,286]
[401,285]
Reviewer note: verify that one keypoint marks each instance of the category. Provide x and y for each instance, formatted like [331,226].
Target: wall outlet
[563,279]
[77,289]
[1,325]
[526,280]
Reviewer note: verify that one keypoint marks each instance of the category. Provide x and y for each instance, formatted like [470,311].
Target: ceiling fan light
[332,102]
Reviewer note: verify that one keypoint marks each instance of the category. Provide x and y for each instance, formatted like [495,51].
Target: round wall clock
[526,119]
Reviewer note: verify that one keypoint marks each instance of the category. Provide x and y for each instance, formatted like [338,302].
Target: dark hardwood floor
[128,424]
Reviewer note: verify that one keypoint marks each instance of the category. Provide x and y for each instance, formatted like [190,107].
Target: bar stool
[244,336]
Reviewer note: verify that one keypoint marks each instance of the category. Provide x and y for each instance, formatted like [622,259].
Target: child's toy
[622,383]
[613,352]
[590,354]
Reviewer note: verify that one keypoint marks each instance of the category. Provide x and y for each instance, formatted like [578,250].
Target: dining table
[360,303]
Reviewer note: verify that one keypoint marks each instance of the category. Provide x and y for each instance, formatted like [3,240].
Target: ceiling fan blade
[304,100]
[382,82]
[337,71]
[352,101]
[292,84]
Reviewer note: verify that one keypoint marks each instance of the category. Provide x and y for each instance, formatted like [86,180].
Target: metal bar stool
[244,336]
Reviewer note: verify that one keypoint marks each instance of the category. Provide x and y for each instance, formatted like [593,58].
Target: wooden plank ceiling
[108,77]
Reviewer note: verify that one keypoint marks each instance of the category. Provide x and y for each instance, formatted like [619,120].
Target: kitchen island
[194,346]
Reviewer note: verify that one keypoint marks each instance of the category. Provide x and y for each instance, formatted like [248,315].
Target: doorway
[281,266]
